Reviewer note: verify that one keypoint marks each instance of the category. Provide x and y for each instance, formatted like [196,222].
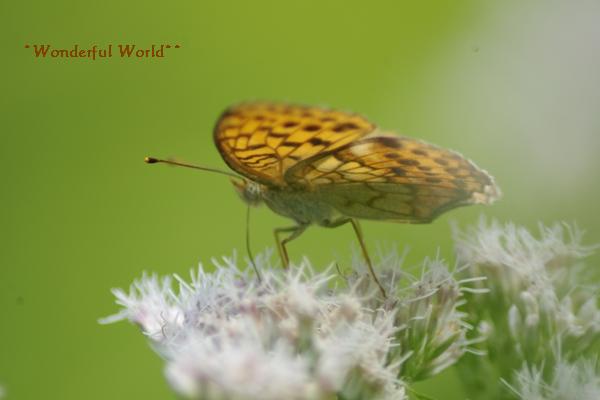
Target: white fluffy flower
[430,325]
[150,304]
[225,335]
[237,365]
[537,305]
[579,380]
[359,344]
[532,281]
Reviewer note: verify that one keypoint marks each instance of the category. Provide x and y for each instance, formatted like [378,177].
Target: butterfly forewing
[262,141]
[393,178]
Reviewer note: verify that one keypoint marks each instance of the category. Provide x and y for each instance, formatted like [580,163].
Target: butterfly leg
[363,247]
[295,232]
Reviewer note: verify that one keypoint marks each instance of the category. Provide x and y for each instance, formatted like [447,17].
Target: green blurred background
[513,85]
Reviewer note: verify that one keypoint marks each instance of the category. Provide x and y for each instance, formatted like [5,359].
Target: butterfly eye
[250,192]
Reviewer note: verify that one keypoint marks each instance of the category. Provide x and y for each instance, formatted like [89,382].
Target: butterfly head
[250,192]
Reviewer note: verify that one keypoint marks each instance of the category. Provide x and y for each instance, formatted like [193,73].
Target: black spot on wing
[398,171]
[419,152]
[345,126]
[408,161]
[317,142]
[389,141]
[312,128]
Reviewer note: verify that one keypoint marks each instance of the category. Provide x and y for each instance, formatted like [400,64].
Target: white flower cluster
[296,333]
[579,380]
[224,335]
[538,313]
[514,311]
[427,308]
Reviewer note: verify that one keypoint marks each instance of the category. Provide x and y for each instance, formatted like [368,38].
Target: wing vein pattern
[347,163]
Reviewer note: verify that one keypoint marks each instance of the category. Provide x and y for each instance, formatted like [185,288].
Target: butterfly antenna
[248,245]
[152,160]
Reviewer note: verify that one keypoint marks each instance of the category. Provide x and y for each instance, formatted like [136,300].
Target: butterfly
[325,167]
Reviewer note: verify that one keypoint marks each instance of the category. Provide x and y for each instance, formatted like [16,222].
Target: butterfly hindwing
[393,178]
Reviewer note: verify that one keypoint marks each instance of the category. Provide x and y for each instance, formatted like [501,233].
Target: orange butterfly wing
[262,141]
[393,178]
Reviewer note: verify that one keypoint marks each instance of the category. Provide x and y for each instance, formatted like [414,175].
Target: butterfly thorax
[304,207]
